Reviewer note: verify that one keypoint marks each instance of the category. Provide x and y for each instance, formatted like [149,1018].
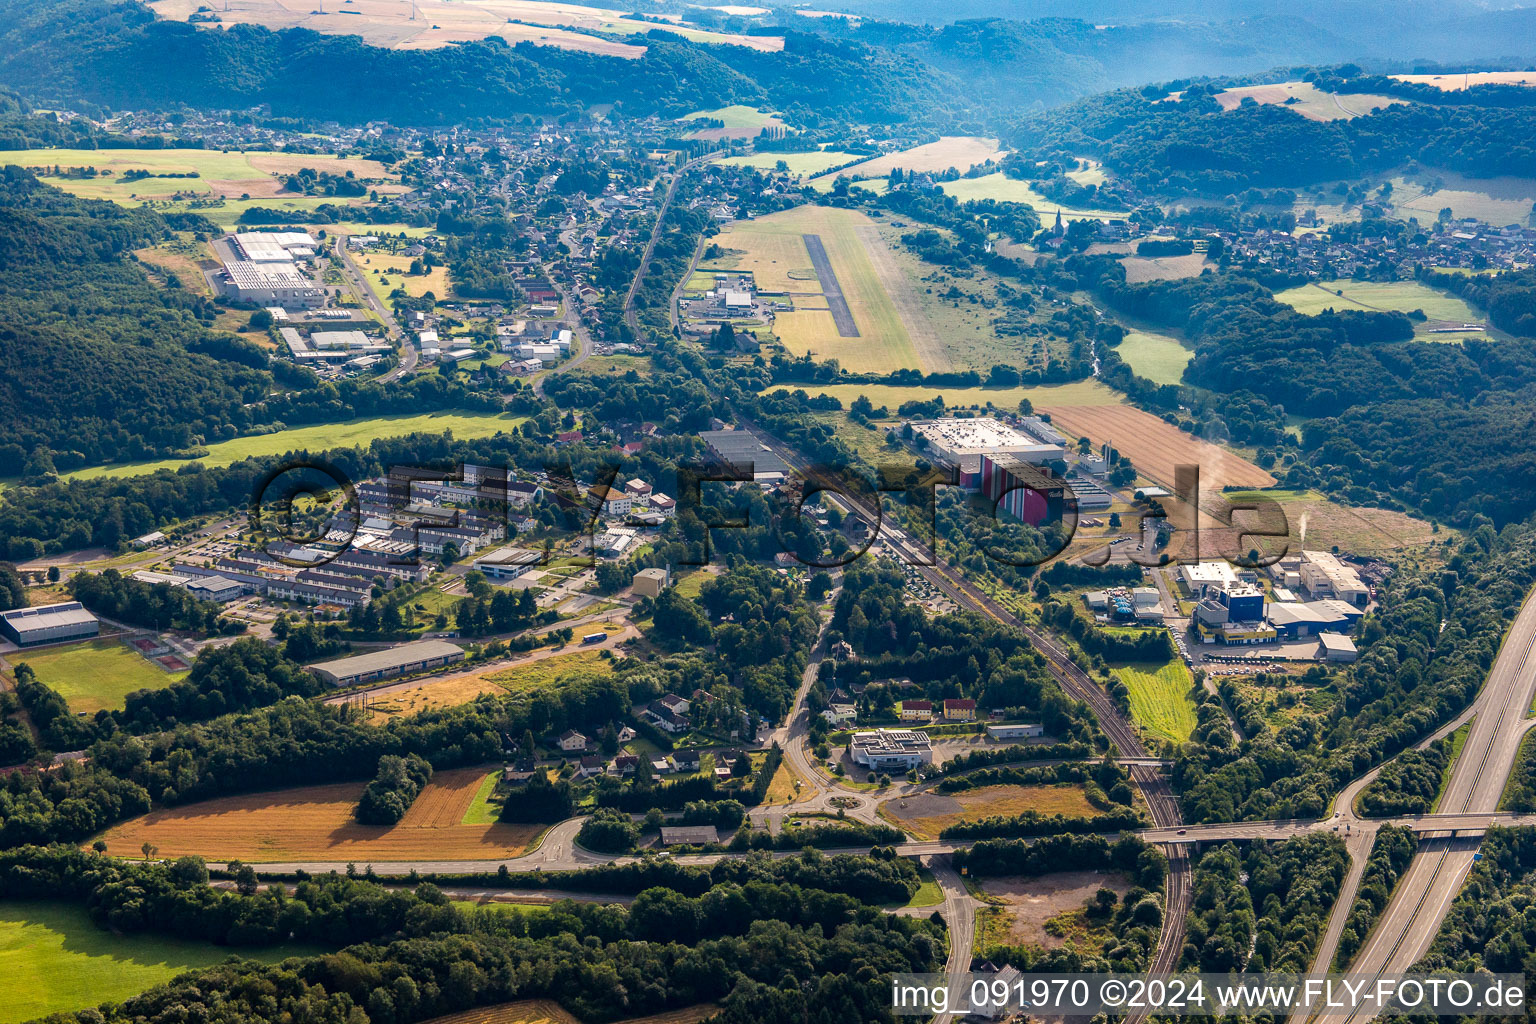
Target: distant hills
[959,73]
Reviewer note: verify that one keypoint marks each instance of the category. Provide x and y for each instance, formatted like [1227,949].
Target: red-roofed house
[960,710]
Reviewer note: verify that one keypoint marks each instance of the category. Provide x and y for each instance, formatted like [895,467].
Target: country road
[359,285]
[630,316]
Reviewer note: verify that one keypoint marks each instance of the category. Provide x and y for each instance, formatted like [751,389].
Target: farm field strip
[316,823]
[927,814]
[229,174]
[1004,189]
[961,152]
[1399,296]
[1158,357]
[349,433]
[1307,100]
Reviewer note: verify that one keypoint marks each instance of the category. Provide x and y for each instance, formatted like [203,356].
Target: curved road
[359,284]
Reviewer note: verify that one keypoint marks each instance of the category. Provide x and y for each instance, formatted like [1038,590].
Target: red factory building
[1027,492]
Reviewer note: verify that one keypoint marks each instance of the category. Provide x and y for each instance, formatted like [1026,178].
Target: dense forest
[119,54]
[1186,143]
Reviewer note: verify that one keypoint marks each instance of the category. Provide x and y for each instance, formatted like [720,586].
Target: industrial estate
[533,513]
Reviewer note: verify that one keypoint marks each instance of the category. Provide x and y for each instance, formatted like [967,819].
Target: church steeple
[1059,230]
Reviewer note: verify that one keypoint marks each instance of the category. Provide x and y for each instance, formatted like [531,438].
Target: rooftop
[394,657]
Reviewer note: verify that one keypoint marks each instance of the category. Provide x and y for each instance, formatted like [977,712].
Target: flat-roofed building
[1199,575]
[1337,647]
[1325,576]
[219,589]
[48,624]
[951,440]
[1022,489]
[508,563]
[1023,731]
[270,284]
[405,659]
[651,582]
[742,450]
[689,835]
[886,749]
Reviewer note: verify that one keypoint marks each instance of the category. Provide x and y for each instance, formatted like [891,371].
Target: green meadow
[350,434]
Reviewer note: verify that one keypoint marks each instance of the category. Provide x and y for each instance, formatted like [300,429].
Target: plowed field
[316,823]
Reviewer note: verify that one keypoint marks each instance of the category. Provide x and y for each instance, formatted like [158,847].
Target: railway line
[1155,790]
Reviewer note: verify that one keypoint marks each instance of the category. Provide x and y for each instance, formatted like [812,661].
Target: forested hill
[118,54]
[95,361]
[1189,144]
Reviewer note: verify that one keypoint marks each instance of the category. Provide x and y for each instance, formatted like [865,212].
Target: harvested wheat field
[961,152]
[1156,447]
[316,823]
[1162,268]
[1456,83]
[547,1011]
[925,815]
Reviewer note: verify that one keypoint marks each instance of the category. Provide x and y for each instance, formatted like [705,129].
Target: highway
[1476,783]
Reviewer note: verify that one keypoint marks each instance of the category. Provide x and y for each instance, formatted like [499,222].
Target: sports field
[1157,357]
[774,249]
[1307,100]
[740,122]
[316,823]
[547,1011]
[96,675]
[795,163]
[927,814]
[1160,700]
[1441,308]
[961,152]
[348,434]
[257,174]
[1004,189]
[53,959]
[1085,394]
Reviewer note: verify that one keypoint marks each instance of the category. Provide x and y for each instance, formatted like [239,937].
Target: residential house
[916,710]
[960,710]
[571,741]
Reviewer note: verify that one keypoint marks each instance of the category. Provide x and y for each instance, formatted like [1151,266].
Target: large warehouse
[270,284]
[396,661]
[742,449]
[48,624]
[952,440]
[1028,493]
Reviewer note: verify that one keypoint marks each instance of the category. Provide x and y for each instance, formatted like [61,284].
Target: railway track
[1155,790]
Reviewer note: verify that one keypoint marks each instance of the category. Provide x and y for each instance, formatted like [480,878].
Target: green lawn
[1160,698]
[1157,357]
[928,893]
[1401,296]
[352,433]
[526,908]
[801,164]
[737,117]
[1088,392]
[53,959]
[1011,190]
[481,810]
[96,675]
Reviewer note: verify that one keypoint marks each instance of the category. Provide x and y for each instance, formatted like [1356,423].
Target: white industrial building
[954,439]
[509,563]
[48,624]
[887,749]
[1027,731]
[386,664]
[270,284]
